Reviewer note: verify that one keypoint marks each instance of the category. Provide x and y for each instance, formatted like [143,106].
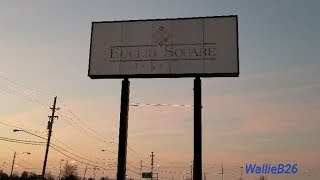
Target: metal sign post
[197,141]
[123,130]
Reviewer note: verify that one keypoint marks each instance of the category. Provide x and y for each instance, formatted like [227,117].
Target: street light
[158,171]
[18,130]
[14,158]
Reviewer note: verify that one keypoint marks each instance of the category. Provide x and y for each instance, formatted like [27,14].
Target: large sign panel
[165,48]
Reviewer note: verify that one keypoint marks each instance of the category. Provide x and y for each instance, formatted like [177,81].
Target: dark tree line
[24,176]
[68,172]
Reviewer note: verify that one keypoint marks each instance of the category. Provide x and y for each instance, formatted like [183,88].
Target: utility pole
[191,168]
[85,171]
[222,171]
[50,123]
[14,158]
[241,173]
[152,163]
[140,169]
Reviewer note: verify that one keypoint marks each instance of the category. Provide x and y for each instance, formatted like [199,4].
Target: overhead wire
[21,141]
[3,88]
[43,104]
[84,124]
[83,130]
[77,160]
[168,105]
[69,147]
[131,151]
[53,145]
[14,82]
[13,126]
[45,142]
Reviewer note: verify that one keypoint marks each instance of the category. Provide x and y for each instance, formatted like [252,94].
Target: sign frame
[180,75]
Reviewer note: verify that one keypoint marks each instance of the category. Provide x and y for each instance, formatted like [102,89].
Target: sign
[165,48]
[147,175]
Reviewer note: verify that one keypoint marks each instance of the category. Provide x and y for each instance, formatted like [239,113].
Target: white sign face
[165,48]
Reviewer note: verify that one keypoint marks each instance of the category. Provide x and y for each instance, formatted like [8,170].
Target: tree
[49,176]
[263,178]
[105,178]
[70,172]
[24,175]
[3,176]
[15,176]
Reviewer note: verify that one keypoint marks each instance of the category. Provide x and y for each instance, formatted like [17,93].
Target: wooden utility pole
[152,156]
[140,169]
[50,123]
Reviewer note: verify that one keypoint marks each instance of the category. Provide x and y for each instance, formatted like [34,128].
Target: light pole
[14,158]
[2,170]
[158,171]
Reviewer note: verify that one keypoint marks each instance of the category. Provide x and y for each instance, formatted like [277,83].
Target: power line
[71,157]
[84,124]
[37,101]
[91,137]
[168,105]
[27,131]
[67,146]
[52,145]
[69,110]
[74,158]
[66,151]
[25,87]
[20,94]
[6,124]
[83,130]
[21,141]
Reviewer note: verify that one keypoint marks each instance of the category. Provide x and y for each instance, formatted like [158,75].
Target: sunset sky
[269,114]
